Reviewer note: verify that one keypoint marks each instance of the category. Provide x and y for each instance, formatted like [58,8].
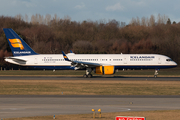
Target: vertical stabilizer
[18,46]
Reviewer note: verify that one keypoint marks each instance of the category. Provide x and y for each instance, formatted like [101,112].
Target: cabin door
[125,60]
[35,60]
[159,60]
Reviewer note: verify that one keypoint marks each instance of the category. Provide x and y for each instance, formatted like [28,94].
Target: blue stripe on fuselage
[116,67]
[53,67]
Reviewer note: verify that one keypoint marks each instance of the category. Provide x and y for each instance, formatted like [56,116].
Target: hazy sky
[80,10]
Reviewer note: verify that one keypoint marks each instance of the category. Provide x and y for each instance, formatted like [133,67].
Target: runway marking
[125,109]
[13,109]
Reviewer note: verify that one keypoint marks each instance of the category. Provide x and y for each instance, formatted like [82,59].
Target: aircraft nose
[175,63]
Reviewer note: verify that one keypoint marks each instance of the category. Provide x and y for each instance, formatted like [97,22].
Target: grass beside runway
[88,87]
[164,72]
[150,115]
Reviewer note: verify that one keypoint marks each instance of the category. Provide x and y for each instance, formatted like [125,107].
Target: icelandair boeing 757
[104,64]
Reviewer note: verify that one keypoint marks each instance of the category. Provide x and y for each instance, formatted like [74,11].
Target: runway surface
[26,106]
[14,106]
[81,78]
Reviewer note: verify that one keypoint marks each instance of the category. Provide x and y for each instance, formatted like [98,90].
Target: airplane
[103,64]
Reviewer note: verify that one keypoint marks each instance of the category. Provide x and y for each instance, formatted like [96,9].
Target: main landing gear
[156,73]
[88,73]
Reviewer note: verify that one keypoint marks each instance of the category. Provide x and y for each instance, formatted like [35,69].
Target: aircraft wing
[81,64]
[86,64]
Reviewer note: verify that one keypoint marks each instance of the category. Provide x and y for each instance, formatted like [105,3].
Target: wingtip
[63,52]
[65,57]
[71,51]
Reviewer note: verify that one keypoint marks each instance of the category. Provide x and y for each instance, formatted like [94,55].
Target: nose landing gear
[156,73]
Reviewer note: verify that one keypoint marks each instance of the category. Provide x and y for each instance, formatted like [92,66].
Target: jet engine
[104,70]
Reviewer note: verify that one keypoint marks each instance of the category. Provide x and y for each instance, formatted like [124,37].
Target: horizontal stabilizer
[16,60]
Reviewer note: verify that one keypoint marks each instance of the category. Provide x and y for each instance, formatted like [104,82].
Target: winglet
[65,57]
[71,51]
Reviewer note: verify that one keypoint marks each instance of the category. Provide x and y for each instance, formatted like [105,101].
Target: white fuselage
[119,61]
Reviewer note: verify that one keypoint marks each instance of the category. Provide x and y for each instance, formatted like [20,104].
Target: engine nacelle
[104,70]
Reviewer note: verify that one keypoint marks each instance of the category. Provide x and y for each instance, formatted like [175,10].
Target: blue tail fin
[18,46]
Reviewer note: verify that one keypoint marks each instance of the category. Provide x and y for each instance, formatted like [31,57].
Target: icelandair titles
[141,58]
[22,52]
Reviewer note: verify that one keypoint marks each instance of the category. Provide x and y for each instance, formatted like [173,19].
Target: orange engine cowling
[104,70]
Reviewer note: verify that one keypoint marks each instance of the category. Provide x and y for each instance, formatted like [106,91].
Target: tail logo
[16,43]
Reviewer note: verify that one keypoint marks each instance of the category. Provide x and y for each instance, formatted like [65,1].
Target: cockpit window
[168,59]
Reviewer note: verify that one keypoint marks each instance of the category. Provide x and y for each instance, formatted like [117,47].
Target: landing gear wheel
[88,73]
[156,73]
[85,76]
[89,76]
